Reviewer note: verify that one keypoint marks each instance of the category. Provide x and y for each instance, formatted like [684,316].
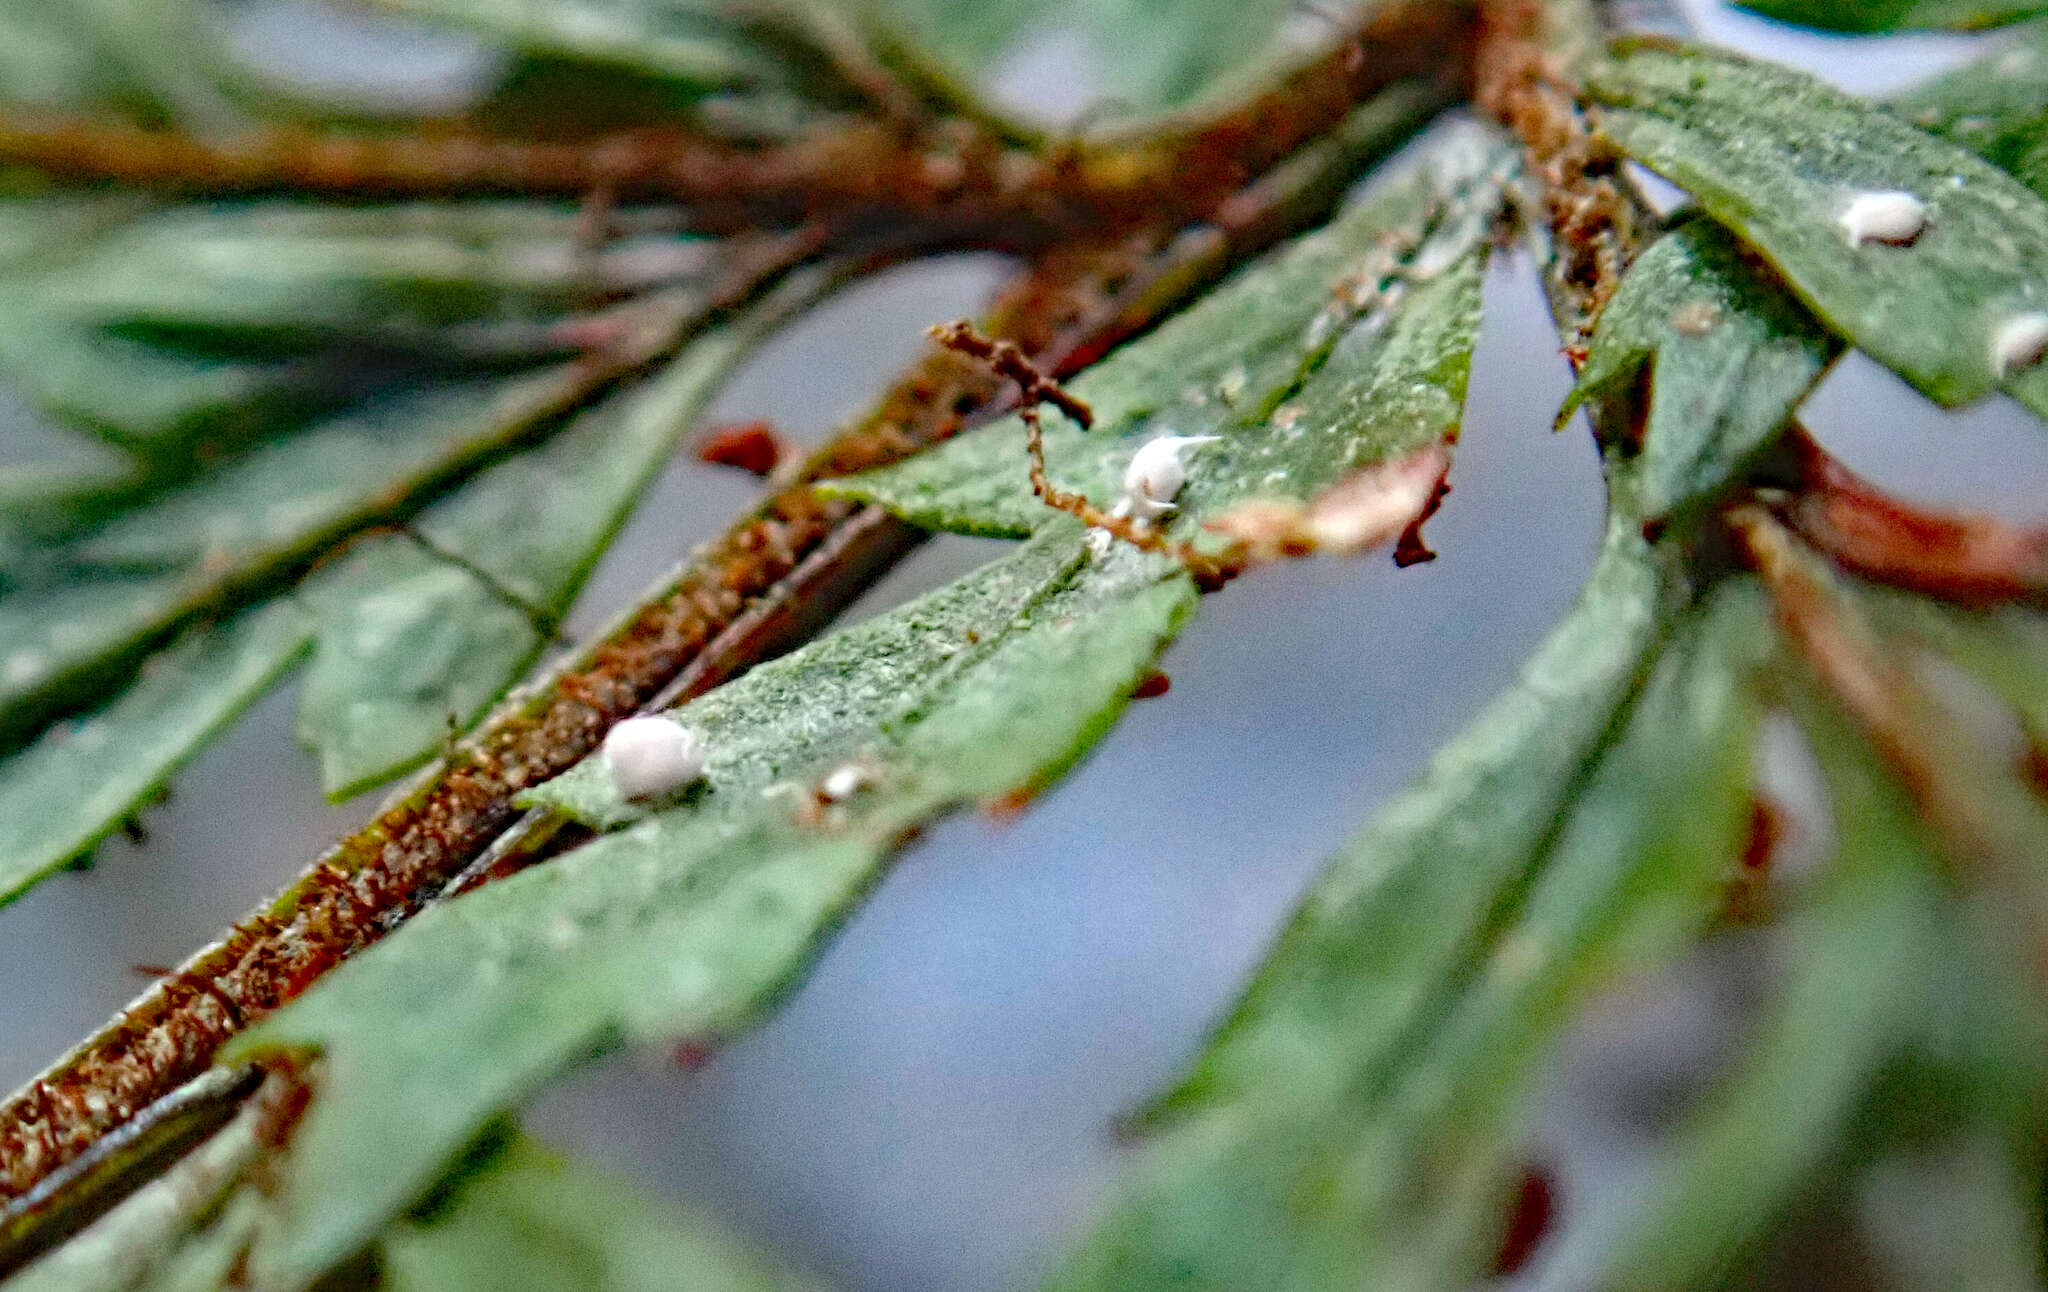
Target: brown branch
[1524,79]
[1966,557]
[1988,826]
[953,180]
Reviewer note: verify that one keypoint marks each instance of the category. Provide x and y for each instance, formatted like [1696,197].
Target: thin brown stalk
[1966,557]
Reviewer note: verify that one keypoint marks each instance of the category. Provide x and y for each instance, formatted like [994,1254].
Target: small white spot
[1157,471]
[2019,343]
[24,667]
[1889,216]
[1098,543]
[1231,387]
[1435,258]
[844,781]
[652,757]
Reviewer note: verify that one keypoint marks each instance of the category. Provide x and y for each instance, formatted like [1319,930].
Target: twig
[1034,388]
[1965,557]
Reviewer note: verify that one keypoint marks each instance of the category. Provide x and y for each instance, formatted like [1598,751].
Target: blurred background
[935,1107]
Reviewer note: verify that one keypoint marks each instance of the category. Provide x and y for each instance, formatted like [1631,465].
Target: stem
[1992,831]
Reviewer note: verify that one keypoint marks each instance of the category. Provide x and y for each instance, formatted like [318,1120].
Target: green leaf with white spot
[1334,354]
[688,922]
[1729,356]
[420,634]
[1777,155]
[72,787]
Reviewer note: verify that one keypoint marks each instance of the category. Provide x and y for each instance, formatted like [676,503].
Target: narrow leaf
[1896,15]
[1996,106]
[1863,955]
[81,607]
[1285,1159]
[74,785]
[528,1221]
[1778,157]
[1730,356]
[419,635]
[412,648]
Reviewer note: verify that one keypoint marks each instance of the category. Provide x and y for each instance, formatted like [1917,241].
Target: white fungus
[652,757]
[1157,471]
[1887,216]
[2019,342]
[843,782]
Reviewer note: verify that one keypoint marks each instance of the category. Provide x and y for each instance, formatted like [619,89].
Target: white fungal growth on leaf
[652,757]
[2018,343]
[1157,471]
[1888,216]
[843,782]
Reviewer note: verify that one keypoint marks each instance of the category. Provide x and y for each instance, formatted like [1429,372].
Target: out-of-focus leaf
[1303,363]
[198,328]
[155,58]
[702,44]
[1730,356]
[79,606]
[1866,965]
[1299,1155]
[528,1221]
[1153,54]
[1896,15]
[71,788]
[686,923]
[1777,155]
[1997,107]
[2004,647]
[418,638]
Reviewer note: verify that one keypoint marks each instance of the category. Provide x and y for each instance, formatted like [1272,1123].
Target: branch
[952,179]
[1966,557]
[1989,826]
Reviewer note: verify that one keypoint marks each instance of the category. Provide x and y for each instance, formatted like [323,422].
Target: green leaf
[1997,107]
[1896,15]
[203,327]
[528,1221]
[1864,954]
[1154,54]
[1776,155]
[1306,370]
[83,606]
[72,787]
[154,58]
[412,648]
[419,635]
[686,923]
[1729,355]
[1317,1143]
